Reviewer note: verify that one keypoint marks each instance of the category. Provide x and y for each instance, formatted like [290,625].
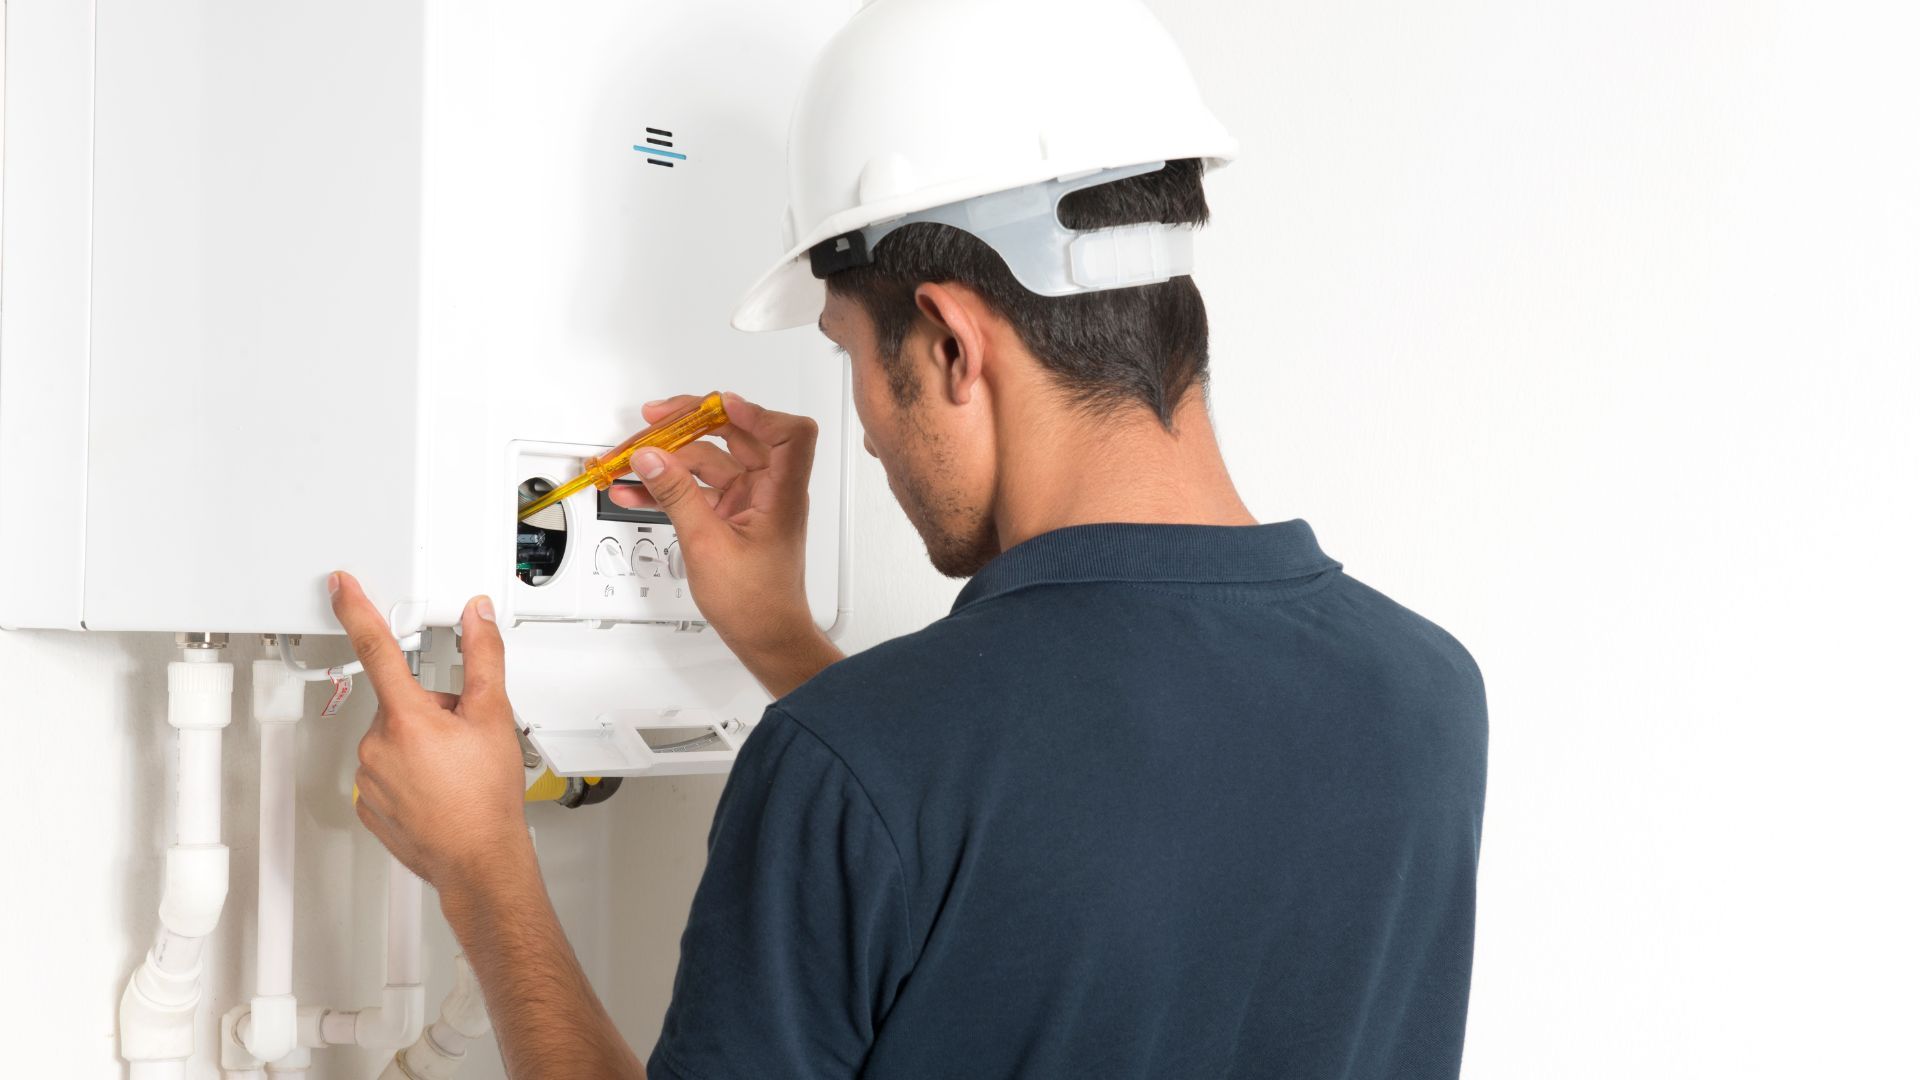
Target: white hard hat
[921,107]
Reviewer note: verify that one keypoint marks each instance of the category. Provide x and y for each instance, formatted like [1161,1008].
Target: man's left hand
[441,779]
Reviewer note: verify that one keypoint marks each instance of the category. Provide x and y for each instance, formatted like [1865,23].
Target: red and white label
[342,686]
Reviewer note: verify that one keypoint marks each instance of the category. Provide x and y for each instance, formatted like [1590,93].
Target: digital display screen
[607,510]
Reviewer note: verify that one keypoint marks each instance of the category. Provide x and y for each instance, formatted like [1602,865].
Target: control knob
[608,559]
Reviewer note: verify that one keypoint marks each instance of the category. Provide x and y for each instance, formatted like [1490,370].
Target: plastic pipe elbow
[279,693]
[436,1055]
[424,1060]
[395,1022]
[271,1029]
[465,1009]
[157,1007]
[157,1029]
[195,889]
[295,1064]
[236,1061]
[438,1052]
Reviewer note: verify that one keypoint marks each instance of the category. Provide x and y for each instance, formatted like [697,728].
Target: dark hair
[1141,345]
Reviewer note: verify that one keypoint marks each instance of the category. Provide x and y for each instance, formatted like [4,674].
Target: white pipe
[273,949]
[301,671]
[236,1062]
[393,1023]
[197,814]
[163,994]
[177,954]
[401,1015]
[292,1067]
[440,1049]
[270,1029]
[336,1026]
[403,925]
[843,590]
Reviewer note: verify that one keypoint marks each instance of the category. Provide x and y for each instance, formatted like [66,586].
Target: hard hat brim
[788,295]
[785,297]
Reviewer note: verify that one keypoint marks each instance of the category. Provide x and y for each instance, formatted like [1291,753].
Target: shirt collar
[1169,553]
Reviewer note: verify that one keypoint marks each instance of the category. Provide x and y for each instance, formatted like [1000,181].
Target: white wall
[1586,329]
[1589,329]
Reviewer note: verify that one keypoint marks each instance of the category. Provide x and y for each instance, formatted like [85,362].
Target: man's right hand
[741,516]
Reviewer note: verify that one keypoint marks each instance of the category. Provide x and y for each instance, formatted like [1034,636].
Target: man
[1166,794]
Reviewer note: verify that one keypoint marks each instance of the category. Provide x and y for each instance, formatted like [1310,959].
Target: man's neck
[1085,470]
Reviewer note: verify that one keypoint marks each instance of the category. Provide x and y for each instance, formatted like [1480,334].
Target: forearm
[782,661]
[546,1017]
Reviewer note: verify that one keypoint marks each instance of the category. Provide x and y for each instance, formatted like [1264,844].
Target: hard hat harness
[1022,226]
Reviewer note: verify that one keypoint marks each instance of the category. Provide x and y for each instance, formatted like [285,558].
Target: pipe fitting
[465,1007]
[163,989]
[157,1008]
[291,1067]
[310,1026]
[279,693]
[236,1061]
[395,1022]
[271,1029]
[199,693]
[157,1030]
[440,1049]
[195,889]
[162,995]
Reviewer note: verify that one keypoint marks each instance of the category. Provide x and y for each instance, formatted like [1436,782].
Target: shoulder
[1412,640]
[914,667]
[898,706]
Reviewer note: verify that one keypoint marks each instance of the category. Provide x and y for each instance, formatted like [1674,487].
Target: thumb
[677,492]
[484,654]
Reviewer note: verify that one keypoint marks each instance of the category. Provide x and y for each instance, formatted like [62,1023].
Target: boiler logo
[659,148]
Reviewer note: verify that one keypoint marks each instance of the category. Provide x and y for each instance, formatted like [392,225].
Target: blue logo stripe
[662,153]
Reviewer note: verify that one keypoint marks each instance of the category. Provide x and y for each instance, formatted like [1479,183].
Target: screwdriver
[701,418]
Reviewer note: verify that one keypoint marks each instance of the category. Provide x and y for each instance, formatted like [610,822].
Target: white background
[1588,330]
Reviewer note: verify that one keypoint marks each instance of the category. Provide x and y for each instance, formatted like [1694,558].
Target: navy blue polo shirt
[1152,801]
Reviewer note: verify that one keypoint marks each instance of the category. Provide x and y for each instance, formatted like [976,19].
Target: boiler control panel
[588,559]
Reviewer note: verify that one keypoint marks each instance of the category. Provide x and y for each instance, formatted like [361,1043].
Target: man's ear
[958,341]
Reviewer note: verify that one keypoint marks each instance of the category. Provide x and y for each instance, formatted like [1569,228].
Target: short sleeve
[798,938]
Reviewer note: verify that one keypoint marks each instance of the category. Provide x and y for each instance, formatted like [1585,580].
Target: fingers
[485,655]
[655,411]
[634,497]
[368,794]
[748,448]
[377,823]
[756,437]
[676,492]
[788,439]
[770,427]
[733,501]
[711,465]
[373,643]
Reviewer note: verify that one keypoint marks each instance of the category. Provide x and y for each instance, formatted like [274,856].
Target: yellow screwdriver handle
[670,434]
[704,417]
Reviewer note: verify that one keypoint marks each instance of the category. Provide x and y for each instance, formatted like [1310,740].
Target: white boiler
[291,287]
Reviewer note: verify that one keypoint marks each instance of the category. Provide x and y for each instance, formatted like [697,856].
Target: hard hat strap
[1023,226]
